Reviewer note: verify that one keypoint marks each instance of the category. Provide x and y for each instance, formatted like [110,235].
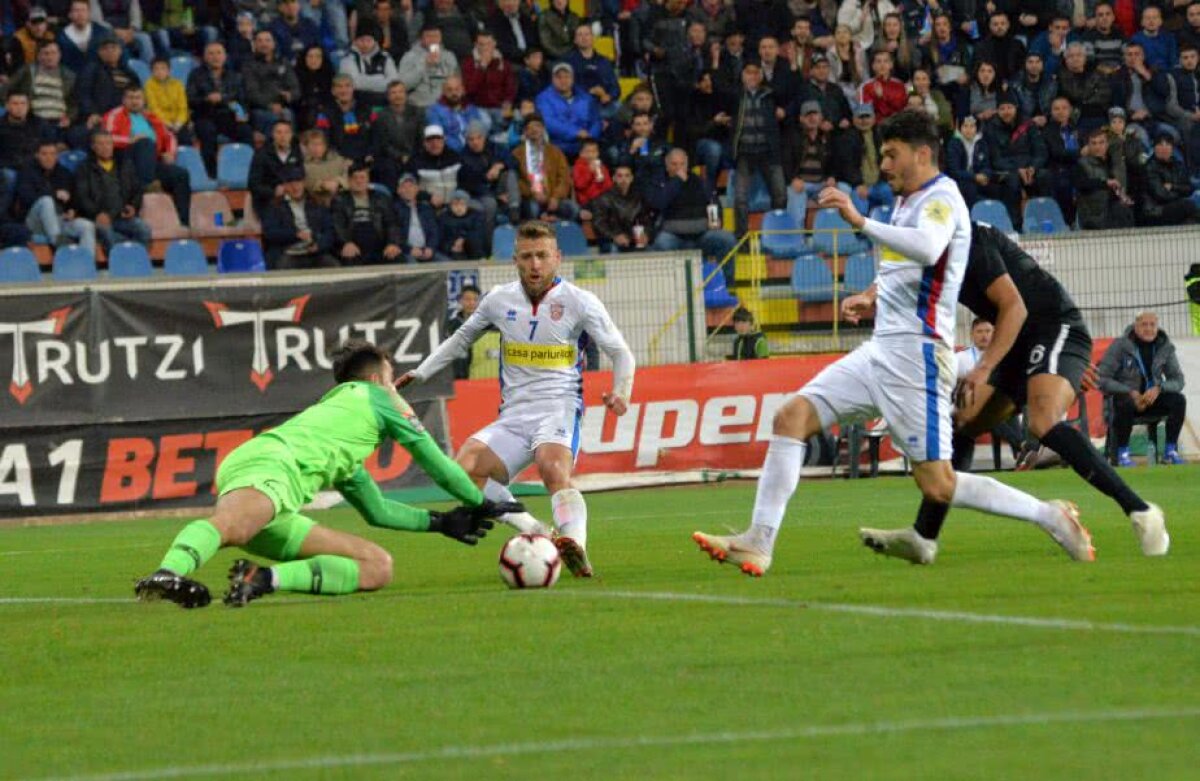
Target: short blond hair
[535,229]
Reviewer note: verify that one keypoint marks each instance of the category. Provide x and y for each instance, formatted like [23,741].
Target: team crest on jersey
[556,312]
[938,212]
[511,315]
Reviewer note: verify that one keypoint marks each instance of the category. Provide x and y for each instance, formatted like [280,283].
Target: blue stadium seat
[881,214]
[504,239]
[716,293]
[781,245]
[140,69]
[243,255]
[233,166]
[129,259]
[181,67]
[189,158]
[71,159]
[848,242]
[812,281]
[185,258]
[1042,215]
[571,239]
[759,199]
[993,213]
[73,264]
[17,264]
[859,272]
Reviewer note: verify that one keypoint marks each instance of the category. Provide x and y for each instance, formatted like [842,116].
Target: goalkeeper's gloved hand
[464,524]
[490,509]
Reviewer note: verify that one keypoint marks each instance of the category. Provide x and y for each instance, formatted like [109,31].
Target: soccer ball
[530,561]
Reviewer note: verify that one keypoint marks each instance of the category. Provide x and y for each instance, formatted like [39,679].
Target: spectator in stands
[1126,149]
[813,168]
[1051,43]
[117,14]
[394,34]
[677,77]
[948,55]
[594,73]
[1063,144]
[488,175]
[1034,90]
[775,74]
[716,16]
[664,35]
[436,167]
[1143,92]
[800,49]
[1168,187]
[1141,376]
[33,34]
[758,18]
[101,86]
[756,146]
[80,39]
[967,165]
[369,67]
[835,106]
[728,63]
[1160,48]
[214,96]
[1099,180]
[20,132]
[983,91]
[490,80]
[347,120]
[894,40]
[365,227]
[270,83]
[857,158]
[1001,47]
[847,62]
[141,137]
[514,29]
[461,234]
[706,129]
[167,100]
[107,192]
[543,176]
[314,74]
[618,216]
[397,132]
[297,233]
[556,28]
[325,171]
[468,302]
[1032,17]
[643,152]
[571,114]
[453,113]
[689,215]
[268,164]
[885,94]
[417,221]
[51,90]
[590,176]
[240,45]
[44,198]
[932,100]
[1017,152]
[1189,33]
[1183,106]
[457,27]
[294,34]
[533,77]
[749,342]
[1089,90]
[426,66]
[1104,42]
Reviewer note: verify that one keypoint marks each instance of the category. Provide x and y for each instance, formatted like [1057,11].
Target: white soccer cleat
[1150,527]
[1072,535]
[901,544]
[750,559]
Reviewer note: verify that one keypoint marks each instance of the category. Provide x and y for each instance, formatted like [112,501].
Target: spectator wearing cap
[571,114]
[1103,41]
[967,164]
[514,29]
[80,38]
[489,175]
[141,137]
[594,73]
[686,220]
[396,135]
[294,33]
[835,105]
[325,170]
[1169,188]
[1063,143]
[101,85]
[533,76]
[461,233]
[756,146]
[1161,47]
[619,215]
[1017,152]
[1088,89]
[426,67]
[542,175]
[1143,92]
[883,92]
[453,113]
[749,343]
[369,66]
[33,34]
[297,232]
[811,168]
[436,167]
[1099,179]
[490,80]
[365,227]
[347,120]
[266,166]
[108,192]
[417,222]
[270,84]
[1034,89]
[1126,148]
[857,153]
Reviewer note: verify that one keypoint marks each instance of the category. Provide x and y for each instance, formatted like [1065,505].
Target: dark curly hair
[357,359]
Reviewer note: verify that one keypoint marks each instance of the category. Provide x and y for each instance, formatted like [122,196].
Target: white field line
[80,550]
[572,745]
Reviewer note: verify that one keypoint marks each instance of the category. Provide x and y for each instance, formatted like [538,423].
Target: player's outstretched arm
[608,338]
[456,345]
[362,493]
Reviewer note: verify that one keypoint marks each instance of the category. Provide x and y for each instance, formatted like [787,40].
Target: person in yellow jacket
[167,99]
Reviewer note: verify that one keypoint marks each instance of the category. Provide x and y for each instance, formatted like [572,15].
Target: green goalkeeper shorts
[268,467]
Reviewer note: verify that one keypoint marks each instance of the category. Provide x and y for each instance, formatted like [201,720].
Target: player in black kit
[1038,356]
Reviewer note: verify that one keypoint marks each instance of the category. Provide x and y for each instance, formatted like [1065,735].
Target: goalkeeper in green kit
[263,484]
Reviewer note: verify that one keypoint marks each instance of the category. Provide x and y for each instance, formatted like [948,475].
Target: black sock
[1076,450]
[930,518]
[963,452]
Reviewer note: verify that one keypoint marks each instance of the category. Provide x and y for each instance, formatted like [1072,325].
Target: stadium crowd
[408,129]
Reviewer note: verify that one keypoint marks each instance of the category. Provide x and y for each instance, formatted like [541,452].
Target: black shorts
[1062,347]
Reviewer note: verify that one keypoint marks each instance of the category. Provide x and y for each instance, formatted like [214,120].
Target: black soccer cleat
[164,584]
[247,582]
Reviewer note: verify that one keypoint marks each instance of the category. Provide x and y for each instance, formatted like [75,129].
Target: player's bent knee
[797,419]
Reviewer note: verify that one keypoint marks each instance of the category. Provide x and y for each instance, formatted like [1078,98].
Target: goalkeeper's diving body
[263,484]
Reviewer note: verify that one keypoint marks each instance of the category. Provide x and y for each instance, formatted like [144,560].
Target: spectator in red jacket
[490,80]
[142,138]
[885,93]
[590,177]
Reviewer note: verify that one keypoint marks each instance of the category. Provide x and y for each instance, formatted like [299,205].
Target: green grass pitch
[839,664]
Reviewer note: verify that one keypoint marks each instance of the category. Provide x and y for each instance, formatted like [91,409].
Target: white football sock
[522,522]
[570,514]
[780,474]
[992,496]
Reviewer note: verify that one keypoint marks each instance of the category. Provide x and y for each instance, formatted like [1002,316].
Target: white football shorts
[521,430]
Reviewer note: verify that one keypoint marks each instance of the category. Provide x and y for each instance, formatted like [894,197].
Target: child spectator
[750,343]
[461,231]
[167,100]
[590,177]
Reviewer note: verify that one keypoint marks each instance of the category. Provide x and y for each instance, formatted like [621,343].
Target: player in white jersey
[905,372]
[543,323]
